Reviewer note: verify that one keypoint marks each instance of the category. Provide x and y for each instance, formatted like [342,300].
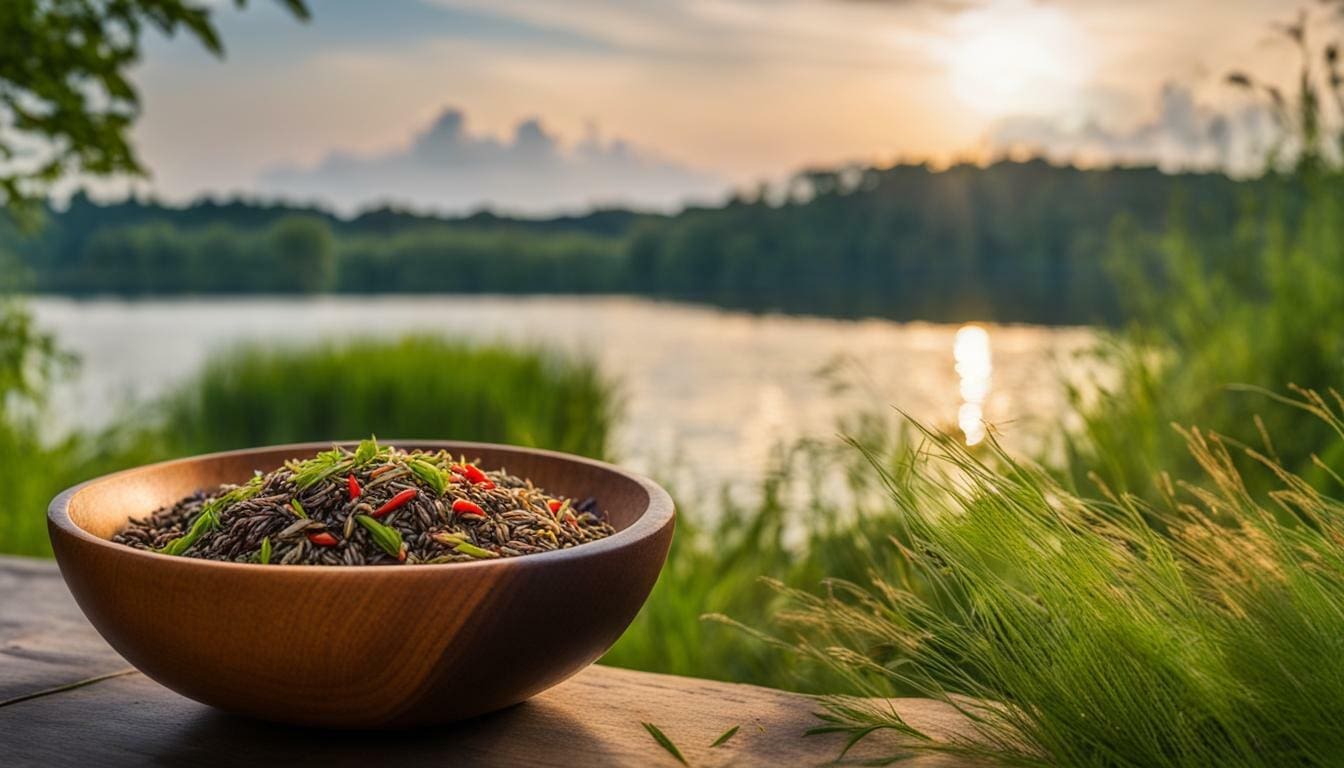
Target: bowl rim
[659,513]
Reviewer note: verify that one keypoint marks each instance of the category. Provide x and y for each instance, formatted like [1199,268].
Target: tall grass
[32,465]
[716,564]
[1219,320]
[1071,632]
[818,513]
[31,472]
[420,386]
[416,387]
[1217,325]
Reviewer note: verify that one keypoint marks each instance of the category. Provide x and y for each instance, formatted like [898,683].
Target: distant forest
[1012,242]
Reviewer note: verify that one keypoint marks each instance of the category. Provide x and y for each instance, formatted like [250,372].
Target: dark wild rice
[373,505]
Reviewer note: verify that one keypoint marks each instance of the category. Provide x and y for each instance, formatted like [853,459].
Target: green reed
[420,386]
[1216,322]
[1072,632]
[795,529]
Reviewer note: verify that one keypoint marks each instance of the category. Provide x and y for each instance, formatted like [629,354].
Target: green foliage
[66,100]
[417,387]
[1012,242]
[298,253]
[1216,325]
[31,469]
[303,254]
[448,259]
[800,530]
[1077,634]
[30,361]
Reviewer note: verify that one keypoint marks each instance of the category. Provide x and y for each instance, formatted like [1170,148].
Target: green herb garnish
[366,451]
[209,516]
[460,544]
[322,466]
[386,537]
[198,527]
[264,556]
[429,474]
[467,548]
[298,508]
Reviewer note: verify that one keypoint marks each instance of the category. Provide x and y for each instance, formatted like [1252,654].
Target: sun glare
[975,367]
[1014,56]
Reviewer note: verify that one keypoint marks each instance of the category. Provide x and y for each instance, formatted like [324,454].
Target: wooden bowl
[360,646]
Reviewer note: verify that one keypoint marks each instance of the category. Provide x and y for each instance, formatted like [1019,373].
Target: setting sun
[1014,56]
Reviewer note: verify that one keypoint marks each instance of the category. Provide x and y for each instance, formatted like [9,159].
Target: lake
[707,393]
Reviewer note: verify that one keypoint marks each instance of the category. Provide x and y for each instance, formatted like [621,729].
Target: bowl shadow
[499,738]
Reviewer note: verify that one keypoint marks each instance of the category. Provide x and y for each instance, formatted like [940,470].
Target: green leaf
[298,8]
[459,544]
[298,508]
[366,451]
[664,742]
[429,474]
[728,734]
[182,543]
[467,548]
[321,467]
[209,516]
[386,537]
[264,556]
[200,24]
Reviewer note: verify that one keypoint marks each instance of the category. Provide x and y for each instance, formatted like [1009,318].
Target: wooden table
[67,699]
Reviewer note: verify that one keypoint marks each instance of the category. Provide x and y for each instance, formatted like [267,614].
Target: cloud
[449,169]
[824,32]
[1181,135]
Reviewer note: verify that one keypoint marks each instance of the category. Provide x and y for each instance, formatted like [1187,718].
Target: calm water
[704,390]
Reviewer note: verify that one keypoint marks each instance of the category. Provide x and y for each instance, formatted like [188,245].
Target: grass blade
[723,739]
[665,742]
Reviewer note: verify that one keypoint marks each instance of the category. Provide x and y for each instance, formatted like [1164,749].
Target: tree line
[1013,241]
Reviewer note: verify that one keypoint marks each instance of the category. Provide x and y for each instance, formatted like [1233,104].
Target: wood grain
[360,646]
[592,719]
[45,642]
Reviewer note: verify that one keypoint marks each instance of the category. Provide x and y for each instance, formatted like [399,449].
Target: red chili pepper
[353,485]
[323,539]
[395,501]
[472,472]
[464,507]
[401,554]
[487,484]
[554,505]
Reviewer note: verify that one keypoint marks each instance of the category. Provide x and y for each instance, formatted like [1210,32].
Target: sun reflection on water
[976,369]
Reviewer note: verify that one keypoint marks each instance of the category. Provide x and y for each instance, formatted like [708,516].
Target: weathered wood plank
[593,719]
[45,641]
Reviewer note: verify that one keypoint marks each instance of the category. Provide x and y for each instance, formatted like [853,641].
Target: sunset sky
[651,102]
